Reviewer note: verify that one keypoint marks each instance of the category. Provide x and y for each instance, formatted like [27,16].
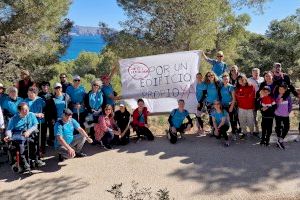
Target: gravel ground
[194,168]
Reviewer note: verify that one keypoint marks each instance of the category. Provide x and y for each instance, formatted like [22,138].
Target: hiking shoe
[39,163]
[262,142]
[107,147]
[80,155]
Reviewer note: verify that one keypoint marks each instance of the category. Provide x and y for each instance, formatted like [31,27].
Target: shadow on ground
[55,188]
[219,169]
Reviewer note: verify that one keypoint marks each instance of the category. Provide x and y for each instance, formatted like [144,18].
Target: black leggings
[233,118]
[266,128]
[223,132]
[282,126]
[142,130]
[173,136]
[123,140]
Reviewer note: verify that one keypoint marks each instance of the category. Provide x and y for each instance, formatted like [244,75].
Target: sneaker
[107,147]
[40,163]
[60,158]
[297,139]
[26,167]
[267,144]
[80,155]
[280,144]
[262,142]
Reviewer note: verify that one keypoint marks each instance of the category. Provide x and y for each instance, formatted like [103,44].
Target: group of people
[73,116]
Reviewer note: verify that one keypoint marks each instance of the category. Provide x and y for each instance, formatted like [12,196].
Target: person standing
[64,82]
[219,67]
[200,90]
[256,80]
[10,104]
[77,93]
[245,97]
[282,112]
[267,108]
[24,84]
[109,95]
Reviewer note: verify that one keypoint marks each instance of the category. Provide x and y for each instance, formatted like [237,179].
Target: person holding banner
[200,89]
[219,67]
[176,121]
[140,121]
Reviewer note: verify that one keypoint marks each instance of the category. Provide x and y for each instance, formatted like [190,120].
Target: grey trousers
[76,144]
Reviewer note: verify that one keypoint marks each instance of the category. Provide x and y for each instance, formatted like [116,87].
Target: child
[267,108]
[200,90]
[284,107]
[220,120]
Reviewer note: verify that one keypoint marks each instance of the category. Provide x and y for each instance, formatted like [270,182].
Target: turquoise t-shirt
[76,95]
[60,104]
[218,68]
[218,117]
[65,130]
[11,105]
[108,91]
[178,117]
[226,93]
[19,124]
[96,99]
[200,87]
[212,93]
[36,106]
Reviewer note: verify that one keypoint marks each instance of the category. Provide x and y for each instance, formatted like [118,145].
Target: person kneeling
[220,120]
[176,120]
[67,144]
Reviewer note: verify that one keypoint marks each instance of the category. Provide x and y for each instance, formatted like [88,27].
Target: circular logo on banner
[138,71]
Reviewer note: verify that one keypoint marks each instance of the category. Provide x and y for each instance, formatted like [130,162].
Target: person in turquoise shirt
[37,105]
[176,121]
[228,103]
[219,67]
[109,96]
[10,104]
[67,144]
[201,90]
[77,94]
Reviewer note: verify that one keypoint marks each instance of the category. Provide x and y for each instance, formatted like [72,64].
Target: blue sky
[91,12]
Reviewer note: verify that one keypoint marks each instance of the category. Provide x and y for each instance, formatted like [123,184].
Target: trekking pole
[40,133]
[28,154]
[78,118]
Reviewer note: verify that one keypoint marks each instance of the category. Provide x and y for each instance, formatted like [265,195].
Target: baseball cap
[1,85]
[122,104]
[277,64]
[76,77]
[267,88]
[56,85]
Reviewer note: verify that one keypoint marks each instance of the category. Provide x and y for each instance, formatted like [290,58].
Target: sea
[83,43]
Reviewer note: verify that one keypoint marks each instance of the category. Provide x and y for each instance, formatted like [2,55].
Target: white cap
[76,77]
[1,85]
[122,103]
[57,85]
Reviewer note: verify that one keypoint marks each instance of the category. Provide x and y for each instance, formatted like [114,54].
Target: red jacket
[136,117]
[245,97]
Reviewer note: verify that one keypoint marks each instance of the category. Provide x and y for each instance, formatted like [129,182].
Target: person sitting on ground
[67,144]
[219,67]
[123,120]
[140,121]
[10,104]
[106,128]
[176,122]
[20,127]
[221,120]
[37,106]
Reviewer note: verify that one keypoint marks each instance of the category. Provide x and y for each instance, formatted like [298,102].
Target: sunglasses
[57,88]
[210,76]
[96,85]
[62,77]
[76,80]
[219,56]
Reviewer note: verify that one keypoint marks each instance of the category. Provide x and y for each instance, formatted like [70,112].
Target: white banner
[161,80]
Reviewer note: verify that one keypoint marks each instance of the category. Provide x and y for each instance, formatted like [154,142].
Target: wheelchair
[30,152]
